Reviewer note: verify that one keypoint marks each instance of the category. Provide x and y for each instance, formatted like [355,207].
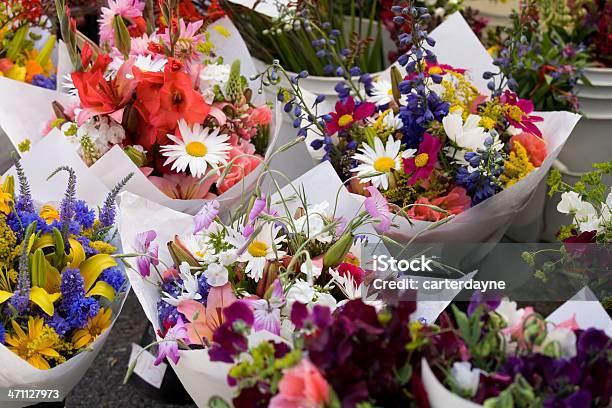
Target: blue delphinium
[2,332]
[42,81]
[114,277]
[81,311]
[422,104]
[57,323]
[481,177]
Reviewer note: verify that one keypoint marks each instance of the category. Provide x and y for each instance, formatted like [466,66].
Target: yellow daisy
[37,345]
[96,326]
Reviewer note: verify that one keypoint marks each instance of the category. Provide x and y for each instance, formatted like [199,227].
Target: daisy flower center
[258,249]
[345,120]
[196,149]
[421,160]
[390,92]
[384,164]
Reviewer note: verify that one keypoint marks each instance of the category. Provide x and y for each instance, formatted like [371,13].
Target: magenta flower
[169,346]
[266,312]
[517,112]
[347,113]
[258,207]
[376,205]
[421,165]
[206,216]
[148,250]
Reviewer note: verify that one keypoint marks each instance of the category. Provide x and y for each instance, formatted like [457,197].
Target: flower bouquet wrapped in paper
[61,288]
[501,355]
[441,146]
[171,101]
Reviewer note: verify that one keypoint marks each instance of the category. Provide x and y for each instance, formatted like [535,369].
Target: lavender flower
[24,201]
[21,296]
[67,206]
[72,287]
[108,211]
[205,217]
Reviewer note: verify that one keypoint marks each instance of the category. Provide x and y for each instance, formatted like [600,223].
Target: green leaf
[217,402]
[60,248]
[39,268]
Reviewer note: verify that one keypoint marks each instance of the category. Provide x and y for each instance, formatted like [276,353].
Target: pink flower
[347,113]
[266,312]
[183,187]
[261,116]
[353,271]
[302,386]
[421,165]
[376,205]
[570,323]
[169,346]
[188,40]
[518,113]
[148,251]
[128,9]
[241,168]
[206,216]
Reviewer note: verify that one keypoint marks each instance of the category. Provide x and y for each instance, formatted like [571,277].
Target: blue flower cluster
[76,306]
[203,288]
[422,104]
[114,277]
[166,312]
[57,323]
[83,215]
[481,178]
[42,81]
[2,332]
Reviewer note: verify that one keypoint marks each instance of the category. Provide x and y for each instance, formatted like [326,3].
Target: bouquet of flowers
[501,355]
[278,249]
[431,142]
[23,25]
[60,284]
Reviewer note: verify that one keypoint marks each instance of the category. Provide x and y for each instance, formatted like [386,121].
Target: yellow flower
[517,166]
[49,214]
[5,200]
[37,346]
[96,326]
[103,247]
[17,73]
[24,146]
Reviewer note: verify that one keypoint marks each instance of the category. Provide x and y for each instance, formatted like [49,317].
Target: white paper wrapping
[38,164]
[588,312]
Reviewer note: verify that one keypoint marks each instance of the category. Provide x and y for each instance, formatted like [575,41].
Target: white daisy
[381,159]
[146,63]
[381,93]
[263,247]
[197,150]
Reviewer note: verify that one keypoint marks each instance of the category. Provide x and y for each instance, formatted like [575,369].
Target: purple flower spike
[169,347]
[205,217]
[144,245]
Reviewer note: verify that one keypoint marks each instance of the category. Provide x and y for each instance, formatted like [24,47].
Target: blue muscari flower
[114,277]
[2,331]
[367,81]
[320,98]
[355,71]
[58,323]
[45,82]
[321,53]
[316,144]
[83,215]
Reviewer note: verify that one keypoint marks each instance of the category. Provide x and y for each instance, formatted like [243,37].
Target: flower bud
[337,252]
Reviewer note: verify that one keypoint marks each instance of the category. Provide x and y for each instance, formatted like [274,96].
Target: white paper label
[145,369]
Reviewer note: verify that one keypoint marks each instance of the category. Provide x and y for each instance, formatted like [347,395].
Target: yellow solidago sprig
[517,166]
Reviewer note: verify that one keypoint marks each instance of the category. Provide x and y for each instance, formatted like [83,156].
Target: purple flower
[266,312]
[376,205]
[169,346]
[259,206]
[490,300]
[148,250]
[206,216]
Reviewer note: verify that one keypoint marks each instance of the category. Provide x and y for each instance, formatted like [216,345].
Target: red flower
[421,165]
[347,113]
[455,202]
[348,269]
[164,98]
[99,96]
[535,147]
[517,112]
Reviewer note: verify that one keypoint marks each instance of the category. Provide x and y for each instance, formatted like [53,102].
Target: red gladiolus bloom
[347,113]
[164,98]
[101,97]
[517,112]
[421,165]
